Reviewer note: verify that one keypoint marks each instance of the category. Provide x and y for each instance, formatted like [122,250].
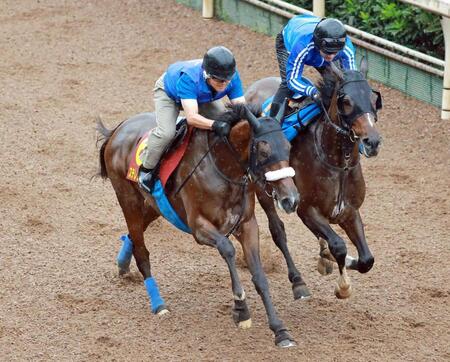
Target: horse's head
[269,159]
[355,105]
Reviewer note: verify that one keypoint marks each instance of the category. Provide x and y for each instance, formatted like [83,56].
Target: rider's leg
[283,91]
[167,112]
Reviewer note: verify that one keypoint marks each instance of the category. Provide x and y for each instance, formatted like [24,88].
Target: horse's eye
[346,105]
[264,150]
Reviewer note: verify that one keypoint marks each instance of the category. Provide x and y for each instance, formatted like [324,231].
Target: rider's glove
[221,129]
[317,99]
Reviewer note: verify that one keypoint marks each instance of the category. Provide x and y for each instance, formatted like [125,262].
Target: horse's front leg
[278,233]
[321,228]
[206,233]
[354,228]
[248,236]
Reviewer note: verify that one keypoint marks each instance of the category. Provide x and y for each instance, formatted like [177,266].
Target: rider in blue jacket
[196,87]
[307,39]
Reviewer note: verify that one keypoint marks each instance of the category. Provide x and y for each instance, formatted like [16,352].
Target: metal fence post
[319,8]
[208,9]
[445,114]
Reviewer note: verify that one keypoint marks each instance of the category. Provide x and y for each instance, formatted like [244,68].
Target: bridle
[345,121]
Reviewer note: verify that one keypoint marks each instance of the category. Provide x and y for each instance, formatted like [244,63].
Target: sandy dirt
[62,64]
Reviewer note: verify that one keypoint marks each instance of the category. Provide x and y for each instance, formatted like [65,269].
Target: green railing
[408,79]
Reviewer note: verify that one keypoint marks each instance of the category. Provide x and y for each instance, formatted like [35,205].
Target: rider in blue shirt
[196,87]
[309,40]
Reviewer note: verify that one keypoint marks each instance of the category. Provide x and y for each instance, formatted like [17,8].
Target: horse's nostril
[289,204]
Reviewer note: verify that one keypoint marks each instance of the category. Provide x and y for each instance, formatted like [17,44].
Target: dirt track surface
[65,63]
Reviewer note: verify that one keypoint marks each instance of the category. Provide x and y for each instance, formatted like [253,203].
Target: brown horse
[213,195]
[329,178]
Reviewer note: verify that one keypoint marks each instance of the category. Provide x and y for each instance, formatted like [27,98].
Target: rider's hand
[221,129]
[317,99]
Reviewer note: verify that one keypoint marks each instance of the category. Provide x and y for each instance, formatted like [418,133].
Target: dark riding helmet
[329,35]
[219,63]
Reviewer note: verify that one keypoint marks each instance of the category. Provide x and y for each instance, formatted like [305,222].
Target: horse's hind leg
[126,251]
[247,234]
[322,229]
[326,259]
[354,228]
[278,233]
[132,204]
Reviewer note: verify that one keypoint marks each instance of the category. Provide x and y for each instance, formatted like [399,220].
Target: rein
[243,182]
[320,154]
[339,130]
[195,167]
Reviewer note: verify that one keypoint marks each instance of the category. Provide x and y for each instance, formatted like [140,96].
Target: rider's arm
[236,91]
[186,90]
[238,100]
[294,70]
[347,56]
[190,107]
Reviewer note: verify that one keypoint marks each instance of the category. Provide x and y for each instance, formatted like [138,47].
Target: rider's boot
[145,179]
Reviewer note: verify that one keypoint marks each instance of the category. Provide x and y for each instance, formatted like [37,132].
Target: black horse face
[358,105]
[269,161]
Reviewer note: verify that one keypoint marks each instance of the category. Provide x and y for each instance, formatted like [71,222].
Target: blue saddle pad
[166,208]
[292,122]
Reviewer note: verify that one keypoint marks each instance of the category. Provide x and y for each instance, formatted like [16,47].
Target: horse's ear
[363,67]
[280,113]
[338,72]
[251,118]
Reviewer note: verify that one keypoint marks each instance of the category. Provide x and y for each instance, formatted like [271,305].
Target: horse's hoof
[287,343]
[245,324]
[324,266]
[284,340]
[161,310]
[301,291]
[241,314]
[123,271]
[342,293]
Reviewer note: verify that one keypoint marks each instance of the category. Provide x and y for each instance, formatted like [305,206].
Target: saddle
[298,115]
[170,158]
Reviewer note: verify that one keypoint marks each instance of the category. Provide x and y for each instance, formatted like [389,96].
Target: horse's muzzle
[371,146]
[289,204]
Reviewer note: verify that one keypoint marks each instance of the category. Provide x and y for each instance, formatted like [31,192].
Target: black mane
[236,112]
[329,81]
[327,86]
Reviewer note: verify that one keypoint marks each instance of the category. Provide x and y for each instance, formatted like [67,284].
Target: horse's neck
[337,148]
[232,158]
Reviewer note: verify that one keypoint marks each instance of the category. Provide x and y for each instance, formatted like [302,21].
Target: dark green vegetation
[393,20]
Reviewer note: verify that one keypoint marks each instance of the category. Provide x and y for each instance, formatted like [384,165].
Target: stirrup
[146,179]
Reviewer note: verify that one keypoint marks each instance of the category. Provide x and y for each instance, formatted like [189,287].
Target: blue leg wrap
[125,253]
[156,301]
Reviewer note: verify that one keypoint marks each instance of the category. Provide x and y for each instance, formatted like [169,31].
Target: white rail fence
[377,44]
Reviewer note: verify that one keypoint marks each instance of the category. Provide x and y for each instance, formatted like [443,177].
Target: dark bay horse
[328,172]
[217,200]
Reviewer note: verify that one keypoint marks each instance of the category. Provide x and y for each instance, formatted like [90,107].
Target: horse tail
[103,135]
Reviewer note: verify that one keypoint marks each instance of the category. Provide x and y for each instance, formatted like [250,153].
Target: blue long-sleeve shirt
[298,40]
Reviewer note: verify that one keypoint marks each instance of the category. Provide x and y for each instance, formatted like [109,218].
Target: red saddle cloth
[168,164]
